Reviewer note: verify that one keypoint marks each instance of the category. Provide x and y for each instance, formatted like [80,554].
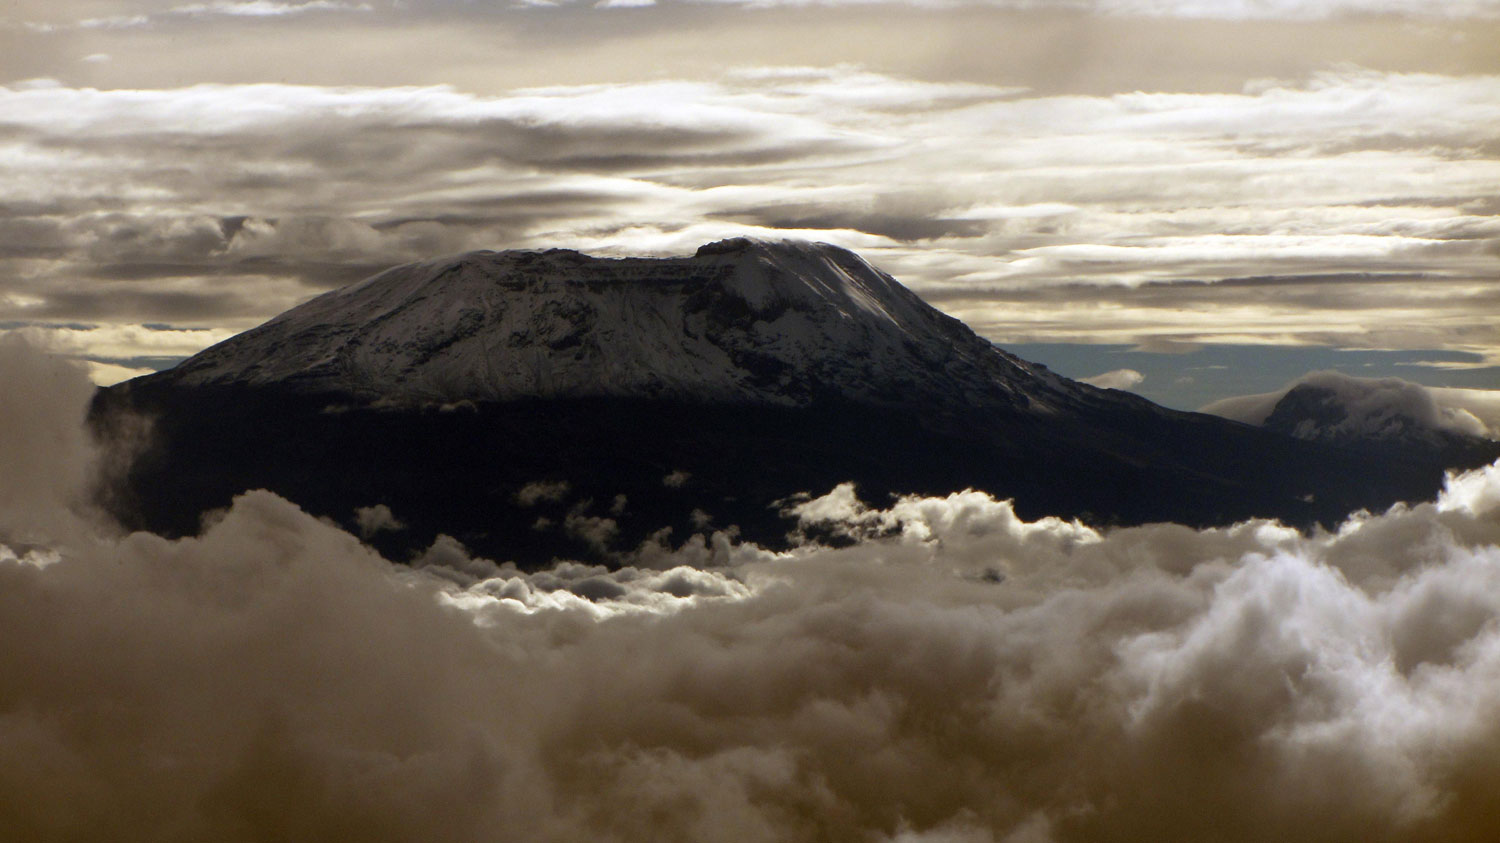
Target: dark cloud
[1295,293]
[1302,280]
[115,303]
[154,364]
[515,209]
[11,325]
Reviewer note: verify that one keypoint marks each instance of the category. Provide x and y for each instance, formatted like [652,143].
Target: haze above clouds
[1279,173]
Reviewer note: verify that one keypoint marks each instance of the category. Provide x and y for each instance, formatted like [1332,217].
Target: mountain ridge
[760,370]
[741,320]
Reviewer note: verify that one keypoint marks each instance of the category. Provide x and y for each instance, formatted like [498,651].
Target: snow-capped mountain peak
[741,320]
[760,370]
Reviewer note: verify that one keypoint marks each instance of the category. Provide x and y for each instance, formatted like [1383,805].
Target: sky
[1247,184]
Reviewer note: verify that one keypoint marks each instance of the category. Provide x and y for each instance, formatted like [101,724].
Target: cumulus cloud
[376,519]
[1116,379]
[1373,407]
[542,490]
[596,531]
[954,673]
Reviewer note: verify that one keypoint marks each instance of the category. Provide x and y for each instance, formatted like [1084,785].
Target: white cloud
[267,8]
[121,341]
[108,374]
[1116,379]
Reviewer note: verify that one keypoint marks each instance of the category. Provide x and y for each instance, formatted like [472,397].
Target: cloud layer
[167,12]
[1349,208]
[955,674]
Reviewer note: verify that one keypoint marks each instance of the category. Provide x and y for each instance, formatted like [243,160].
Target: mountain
[740,322]
[1331,407]
[1378,415]
[539,404]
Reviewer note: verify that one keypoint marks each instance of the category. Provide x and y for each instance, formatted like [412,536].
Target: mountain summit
[745,321]
[543,404]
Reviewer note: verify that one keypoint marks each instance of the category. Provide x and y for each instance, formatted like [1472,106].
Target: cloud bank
[955,674]
[1350,208]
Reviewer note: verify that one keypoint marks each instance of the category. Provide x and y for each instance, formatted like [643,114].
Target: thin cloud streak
[254,9]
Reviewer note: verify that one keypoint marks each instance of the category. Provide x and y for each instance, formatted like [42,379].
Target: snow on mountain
[1334,407]
[741,320]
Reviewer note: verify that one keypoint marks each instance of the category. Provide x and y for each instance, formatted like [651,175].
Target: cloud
[1249,215]
[1294,9]
[1372,407]
[107,374]
[117,345]
[1278,10]
[245,9]
[1117,379]
[375,519]
[542,490]
[957,673]
[596,531]
[46,459]
[267,8]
